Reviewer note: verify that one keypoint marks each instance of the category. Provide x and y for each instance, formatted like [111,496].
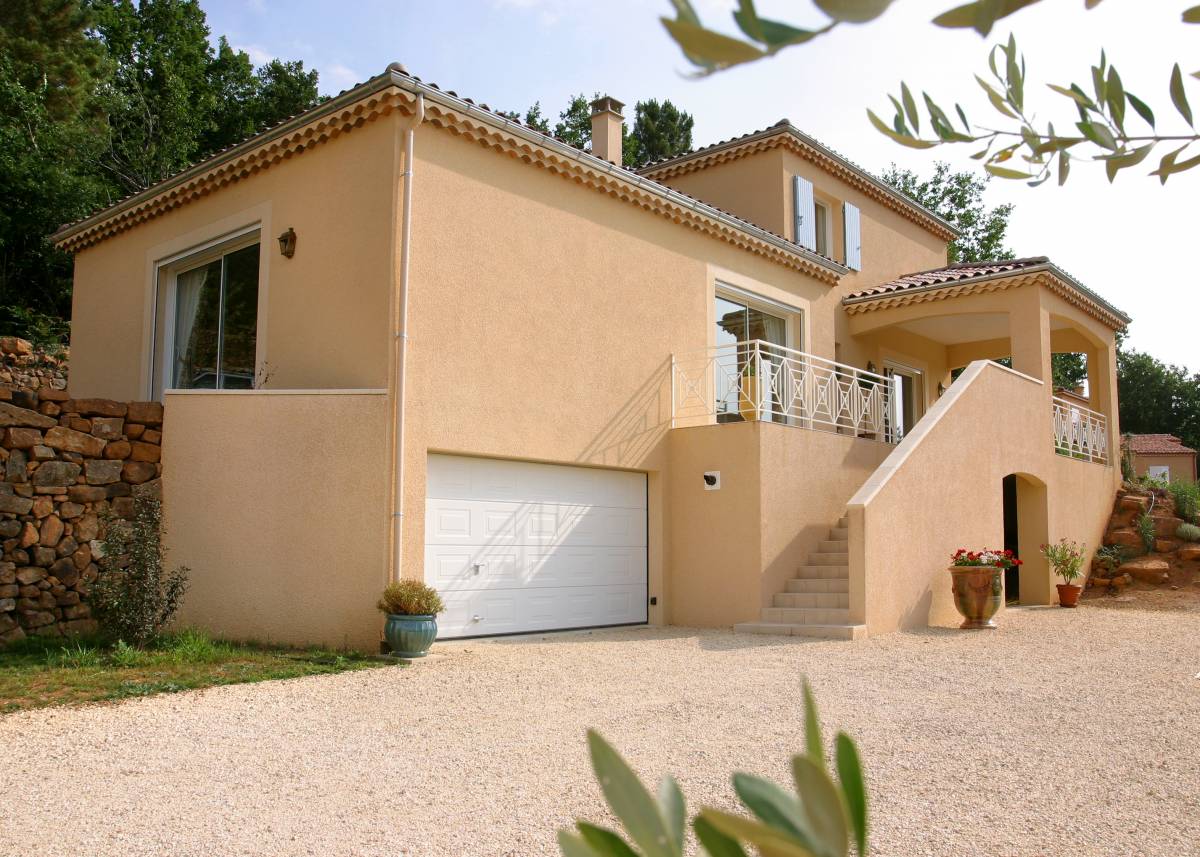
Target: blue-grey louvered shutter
[805,213]
[853,231]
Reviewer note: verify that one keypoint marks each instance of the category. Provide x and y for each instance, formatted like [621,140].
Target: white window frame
[166,274]
[793,316]
[1159,471]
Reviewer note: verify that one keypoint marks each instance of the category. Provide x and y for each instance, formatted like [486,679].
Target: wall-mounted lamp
[287,243]
[941,389]
[870,366]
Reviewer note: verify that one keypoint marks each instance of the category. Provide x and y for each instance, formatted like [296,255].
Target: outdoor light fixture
[287,243]
[941,389]
[870,366]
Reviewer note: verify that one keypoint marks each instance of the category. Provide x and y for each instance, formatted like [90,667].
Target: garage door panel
[517,546]
[450,567]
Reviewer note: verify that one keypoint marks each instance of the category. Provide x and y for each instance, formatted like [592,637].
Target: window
[1159,471]
[738,387]
[208,319]
[821,220]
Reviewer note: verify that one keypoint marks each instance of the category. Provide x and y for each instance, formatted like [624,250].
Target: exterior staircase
[816,602]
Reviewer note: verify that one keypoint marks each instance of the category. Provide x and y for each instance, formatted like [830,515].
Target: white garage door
[516,547]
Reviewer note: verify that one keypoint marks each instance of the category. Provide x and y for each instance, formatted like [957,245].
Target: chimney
[606,129]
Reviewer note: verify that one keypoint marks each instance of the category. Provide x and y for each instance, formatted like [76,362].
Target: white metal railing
[1080,432]
[756,380]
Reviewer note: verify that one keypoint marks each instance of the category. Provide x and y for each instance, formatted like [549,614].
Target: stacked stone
[65,462]
[24,367]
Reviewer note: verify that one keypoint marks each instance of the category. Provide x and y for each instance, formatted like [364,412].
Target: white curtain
[188,287]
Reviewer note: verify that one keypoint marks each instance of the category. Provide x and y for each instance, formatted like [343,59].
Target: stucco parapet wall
[370,391]
[1046,276]
[794,140]
[392,91]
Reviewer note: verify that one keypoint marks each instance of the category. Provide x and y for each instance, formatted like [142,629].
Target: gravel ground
[1064,733]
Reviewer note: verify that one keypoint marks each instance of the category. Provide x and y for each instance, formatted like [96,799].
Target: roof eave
[1044,267]
[811,142]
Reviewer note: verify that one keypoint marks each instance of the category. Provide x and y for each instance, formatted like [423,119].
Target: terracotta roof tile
[1157,444]
[949,274]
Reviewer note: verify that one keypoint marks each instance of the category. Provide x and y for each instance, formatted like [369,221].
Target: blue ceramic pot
[410,636]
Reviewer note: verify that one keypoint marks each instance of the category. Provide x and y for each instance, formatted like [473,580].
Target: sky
[1135,242]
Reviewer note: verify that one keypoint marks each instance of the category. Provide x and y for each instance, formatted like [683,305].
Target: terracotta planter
[978,593]
[748,400]
[1068,594]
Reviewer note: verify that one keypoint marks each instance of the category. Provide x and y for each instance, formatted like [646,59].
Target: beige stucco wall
[1183,467]
[324,311]
[782,488]
[941,490]
[544,316]
[277,502]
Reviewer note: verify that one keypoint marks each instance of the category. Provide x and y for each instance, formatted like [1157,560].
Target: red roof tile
[1157,444]
[950,274]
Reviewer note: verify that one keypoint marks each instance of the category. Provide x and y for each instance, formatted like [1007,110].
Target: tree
[958,198]
[660,130]
[51,129]
[1156,398]
[161,102]
[575,122]
[284,89]
[1099,131]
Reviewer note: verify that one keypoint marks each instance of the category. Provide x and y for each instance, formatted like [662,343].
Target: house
[1161,456]
[401,335]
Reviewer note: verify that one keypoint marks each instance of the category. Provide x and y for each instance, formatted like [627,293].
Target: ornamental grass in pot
[411,609]
[978,585]
[1066,558]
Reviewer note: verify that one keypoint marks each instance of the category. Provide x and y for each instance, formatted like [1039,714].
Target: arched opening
[1026,529]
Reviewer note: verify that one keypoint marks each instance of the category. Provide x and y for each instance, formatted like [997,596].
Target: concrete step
[844,522]
[785,629]
[808,572]
[833,546]
[807,615]
[812,599]
[839,534]
[819,584]
[829,558]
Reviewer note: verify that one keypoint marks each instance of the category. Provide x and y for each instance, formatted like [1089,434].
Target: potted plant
[978,586]
[1066,558]
[411,609]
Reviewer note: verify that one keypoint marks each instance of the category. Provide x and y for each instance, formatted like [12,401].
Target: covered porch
[925,328]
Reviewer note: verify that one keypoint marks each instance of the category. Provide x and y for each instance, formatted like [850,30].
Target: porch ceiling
[967,327]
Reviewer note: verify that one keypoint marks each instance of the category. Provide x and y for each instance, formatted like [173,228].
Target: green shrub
[1188,532]
[824,816]
[410,598]
[125,656]
[1187,500]
[1111,557]
[1145,528]
[135,594]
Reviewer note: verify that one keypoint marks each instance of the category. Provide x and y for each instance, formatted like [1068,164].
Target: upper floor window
[821,222]
[208,319]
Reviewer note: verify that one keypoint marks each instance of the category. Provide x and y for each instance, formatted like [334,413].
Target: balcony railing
[1080,432]
[757,380]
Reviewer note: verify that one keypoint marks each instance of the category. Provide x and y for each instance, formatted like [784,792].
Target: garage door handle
[477,567]
[476,618]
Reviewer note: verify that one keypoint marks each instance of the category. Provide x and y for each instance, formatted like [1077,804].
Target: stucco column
[1029,336]
[1102,393]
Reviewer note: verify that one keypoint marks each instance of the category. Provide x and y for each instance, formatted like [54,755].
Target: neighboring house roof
[1157,444]
[969,277]
[784,134]
[395,90]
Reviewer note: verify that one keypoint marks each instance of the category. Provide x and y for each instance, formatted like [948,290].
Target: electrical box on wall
[712,480]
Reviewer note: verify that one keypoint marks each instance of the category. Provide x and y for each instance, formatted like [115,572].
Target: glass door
[909,391]
[744,376]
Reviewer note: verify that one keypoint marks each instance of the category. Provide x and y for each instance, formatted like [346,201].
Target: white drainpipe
[400,338]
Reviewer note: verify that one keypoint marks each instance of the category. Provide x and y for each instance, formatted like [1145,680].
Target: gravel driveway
[1065,733]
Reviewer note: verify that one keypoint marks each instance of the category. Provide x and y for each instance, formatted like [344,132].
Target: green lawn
[37,672]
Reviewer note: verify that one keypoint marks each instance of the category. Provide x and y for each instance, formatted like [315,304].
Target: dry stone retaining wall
[63,463]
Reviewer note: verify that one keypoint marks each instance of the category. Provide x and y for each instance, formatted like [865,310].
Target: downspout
[400,336]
